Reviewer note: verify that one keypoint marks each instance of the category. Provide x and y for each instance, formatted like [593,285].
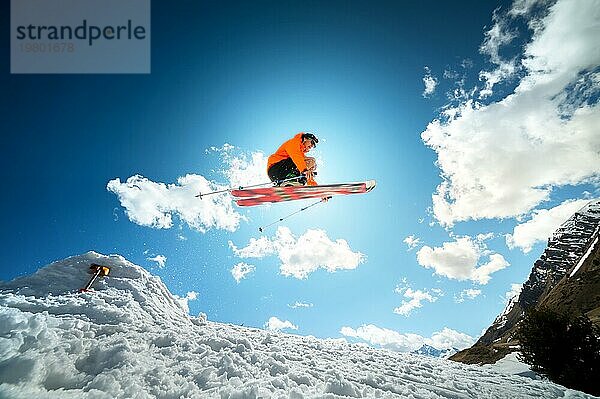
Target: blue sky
[474,124]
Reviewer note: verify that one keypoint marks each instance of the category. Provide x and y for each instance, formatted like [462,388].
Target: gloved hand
[310,177]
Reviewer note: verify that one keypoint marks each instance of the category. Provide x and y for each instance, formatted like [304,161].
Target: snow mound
[510,364]
[132,339]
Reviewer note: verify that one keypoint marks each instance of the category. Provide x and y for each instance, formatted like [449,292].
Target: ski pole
[98,271]
[276,182]
[261,229]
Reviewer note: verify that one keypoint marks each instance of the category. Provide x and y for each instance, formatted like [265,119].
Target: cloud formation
[412,242]
[513,293]
[184,301]
[257,248]
[430,83]
[499,35]
[159,259]
[448,339]
[415,300]
[503,159]
[154,204]
[274,324]
[301,305]
[303,255]
[541,225]
[395,341]
[241,270]
[460,260]
[469,293]
[242,169]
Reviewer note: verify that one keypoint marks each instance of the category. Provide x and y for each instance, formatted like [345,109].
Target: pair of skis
[258,196]
[252,196]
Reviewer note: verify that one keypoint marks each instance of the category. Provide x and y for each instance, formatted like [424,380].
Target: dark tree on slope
[564,348]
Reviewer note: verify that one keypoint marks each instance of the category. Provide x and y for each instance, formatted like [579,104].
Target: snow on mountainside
[429,350]
[557,280]
[567,246]
[132,338]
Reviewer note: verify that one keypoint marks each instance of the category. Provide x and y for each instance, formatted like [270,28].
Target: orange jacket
[290,149]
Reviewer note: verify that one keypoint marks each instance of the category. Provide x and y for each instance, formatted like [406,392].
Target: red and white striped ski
[258,196]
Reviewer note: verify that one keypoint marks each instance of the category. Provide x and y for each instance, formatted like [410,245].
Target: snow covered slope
[133,339]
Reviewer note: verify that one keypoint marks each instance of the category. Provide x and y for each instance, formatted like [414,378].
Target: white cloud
[152,204]
[160,259]
[192,295]
[416,297]
[541,225]
[243,169]
[497,36]
[482,274]
[469,293]
[448,339]
[256,248]
[503,159]
[513,293]
[274,324]
[523,7]
[412,242]
[303,255]
[388,339]
[301,305]
[241,270]
[393,340]
[491,78]
[460,260]
[314,250]
[480,238]
[430,83]
[184,301]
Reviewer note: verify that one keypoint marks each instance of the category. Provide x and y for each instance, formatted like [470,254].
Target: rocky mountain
[565,278]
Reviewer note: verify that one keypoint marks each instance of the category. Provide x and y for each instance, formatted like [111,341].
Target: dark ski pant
[284,169]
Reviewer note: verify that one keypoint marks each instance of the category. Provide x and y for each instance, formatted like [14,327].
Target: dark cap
[311,137]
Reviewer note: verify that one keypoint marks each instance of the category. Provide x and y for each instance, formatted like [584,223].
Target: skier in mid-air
[289,166]
[289,161]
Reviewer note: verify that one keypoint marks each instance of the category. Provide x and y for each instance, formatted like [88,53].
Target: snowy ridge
[591,247]
[429,350]
[132,339]
[502,318]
